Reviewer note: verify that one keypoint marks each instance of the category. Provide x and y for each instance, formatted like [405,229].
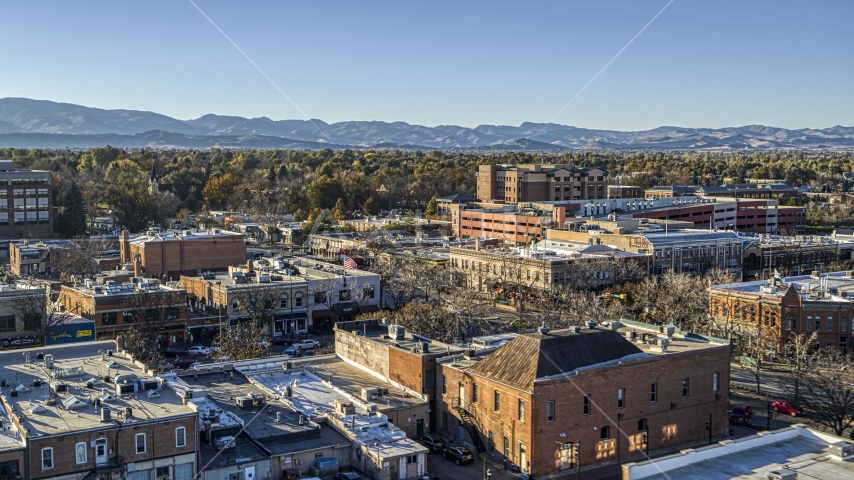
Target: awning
[369,308]
[321,313]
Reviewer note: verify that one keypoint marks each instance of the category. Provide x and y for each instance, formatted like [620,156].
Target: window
[684,388]
[140,443]
[368,292]
[298,300]
[410,459]
[9,469]
[491,445]
[128,317]
[496,401]
[809,324]
[109,318]
[829,324]
[444,384]
[621,398]
[344,295]
[521,410]
[7,323]
[47,458]
[172,313]
[180,437]
[605,433]
[320,297]
[152,315]
[654,392]
[550,411]
[716,380]
[80,450]
[587,404]
[474,393]
[507,447]
[642,426]
[162,472]
[283,302]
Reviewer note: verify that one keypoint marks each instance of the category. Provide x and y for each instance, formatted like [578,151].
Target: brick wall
[177,255]
[160,443]
[20,456]
[673,421]
[368,353]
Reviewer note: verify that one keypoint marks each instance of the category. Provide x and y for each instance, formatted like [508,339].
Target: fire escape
[469,425]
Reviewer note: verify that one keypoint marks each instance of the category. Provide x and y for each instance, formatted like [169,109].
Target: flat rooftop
[833,287]
[141,238]
[805,452]
[412,343]
[76,365]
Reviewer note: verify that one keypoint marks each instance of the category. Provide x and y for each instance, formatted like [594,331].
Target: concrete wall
[368,353]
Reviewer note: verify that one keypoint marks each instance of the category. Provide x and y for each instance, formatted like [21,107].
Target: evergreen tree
[431,207]
[74,216]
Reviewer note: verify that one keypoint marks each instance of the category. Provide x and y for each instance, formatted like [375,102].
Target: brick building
[51,257]
[151,434]
[26,205]
[144,304]
[16,301]
[402,360]
[788,255]
[550,401]
[167,254]
[539,183]
[780,307]
[624,191]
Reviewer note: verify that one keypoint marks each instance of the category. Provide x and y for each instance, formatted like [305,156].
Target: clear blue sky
[701,63]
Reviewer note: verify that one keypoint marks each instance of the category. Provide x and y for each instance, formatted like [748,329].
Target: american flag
[350,263]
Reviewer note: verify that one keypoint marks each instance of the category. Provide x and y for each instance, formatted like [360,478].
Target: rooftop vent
[782,474]
[591,324]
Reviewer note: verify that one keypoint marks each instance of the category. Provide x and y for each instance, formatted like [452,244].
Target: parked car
[458,454]
[740,414]
[347,476]
[432,442]
[199,350]
[292,351]
[786,407]
[183,362]
[306,344]
[169,352]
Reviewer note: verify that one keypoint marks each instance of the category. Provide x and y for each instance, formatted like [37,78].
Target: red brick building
[540,183]
[789,306]
[550,401]
[169,254]
[145,305]
[130,433]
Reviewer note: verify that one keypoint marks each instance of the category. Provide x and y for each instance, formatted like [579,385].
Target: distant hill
[40,123]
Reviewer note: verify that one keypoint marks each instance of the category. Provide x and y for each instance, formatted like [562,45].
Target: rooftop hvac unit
[369,393]
[148,384]
[126,388]
[782,474]
[105,414]
[222,443]
[841,449]
[396,332]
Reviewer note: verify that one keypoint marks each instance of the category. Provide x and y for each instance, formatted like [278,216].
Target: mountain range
[27,123]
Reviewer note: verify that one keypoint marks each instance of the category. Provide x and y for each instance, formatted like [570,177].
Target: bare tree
[755,347]
[797,348]
[827,389]
[153,308]
[79,257]
[243,341]
[38,312]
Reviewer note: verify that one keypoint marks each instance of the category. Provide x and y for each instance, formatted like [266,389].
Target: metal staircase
[470,426]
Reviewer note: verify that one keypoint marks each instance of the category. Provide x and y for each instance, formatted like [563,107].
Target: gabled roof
[531,356]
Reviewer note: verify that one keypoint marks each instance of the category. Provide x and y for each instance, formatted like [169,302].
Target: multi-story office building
[540,183]
[555,401]
[26,205]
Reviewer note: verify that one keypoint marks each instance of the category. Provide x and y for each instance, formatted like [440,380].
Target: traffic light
[708,426]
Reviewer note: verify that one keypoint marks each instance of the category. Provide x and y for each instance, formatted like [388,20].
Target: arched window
[284,301]
[298,300]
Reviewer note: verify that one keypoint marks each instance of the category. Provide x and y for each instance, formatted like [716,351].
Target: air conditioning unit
[782,474]
[370,393]
[224,442]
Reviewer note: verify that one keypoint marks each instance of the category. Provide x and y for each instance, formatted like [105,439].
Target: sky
[698,64]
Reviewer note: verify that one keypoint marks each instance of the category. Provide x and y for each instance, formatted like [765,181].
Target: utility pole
[709,428]
[768,424]
[578,459]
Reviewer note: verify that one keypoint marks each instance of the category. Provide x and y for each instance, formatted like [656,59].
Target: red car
[786,407]
[740,414]
[183,362]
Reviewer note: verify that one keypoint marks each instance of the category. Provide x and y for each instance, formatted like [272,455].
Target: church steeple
[154,185]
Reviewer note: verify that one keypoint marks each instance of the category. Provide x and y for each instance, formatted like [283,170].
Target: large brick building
[781,307]
[167,254]
[540,183]
[550,401]
[143,304]
[137,429]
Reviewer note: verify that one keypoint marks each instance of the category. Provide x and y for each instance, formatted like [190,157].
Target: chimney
[477,244]
[124,247]
[208,432]
[137,268]
[248,266]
